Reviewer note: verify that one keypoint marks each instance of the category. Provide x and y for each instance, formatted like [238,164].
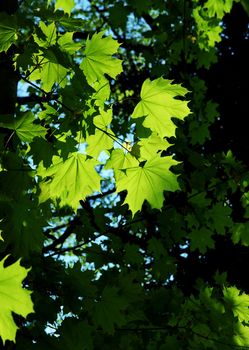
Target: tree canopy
[124,174]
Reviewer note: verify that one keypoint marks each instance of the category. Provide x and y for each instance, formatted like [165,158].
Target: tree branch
[23,100]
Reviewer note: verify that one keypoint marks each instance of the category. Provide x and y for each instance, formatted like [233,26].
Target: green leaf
[201,239]
[50,72]
[240,233]
[76,335]
[218,7]
[148,182]
[237,302]
[18,228]
[13,298]
[220,216]
[24,127]
[102,88]
[208,30]
[158,105]
[151,146]
[67,43]
[98,59]
[108,311]
[241,335]
[69,181]
[103,138]
[65,5]
[8,31]
[119,161]
[48,37]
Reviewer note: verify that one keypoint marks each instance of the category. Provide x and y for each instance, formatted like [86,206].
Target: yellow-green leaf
[238,303]
[8,31]
[13,298]
[65,5]
[241,335]
[103,139]
[148,182]
[151,146]
[50,71]
[69,180]
[119,161]
[24,127]
[98,58]
[67,43]
[158,105]
[49,32]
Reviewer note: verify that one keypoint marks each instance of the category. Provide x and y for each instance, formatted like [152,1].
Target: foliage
[124,175]
[13,298]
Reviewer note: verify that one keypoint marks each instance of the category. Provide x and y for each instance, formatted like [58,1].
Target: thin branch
[54,229]
[47,94]
[60,240]
[100,195]
[23,100]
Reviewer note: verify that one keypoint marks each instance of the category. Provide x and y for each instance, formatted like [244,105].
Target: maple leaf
[108,310]
[220,216]
[240,233]
[208,31]
[102,88]
[49,32]
[241,335]
[201,239]
[103,138]
[13,298]
[218,7]
[65,5]
[50,71]
[24,127]
[238,302]
[148,182]
[152,145]
[8,31]
[158,105]
[98,58]
[69,180]
[67,43]
[119,161]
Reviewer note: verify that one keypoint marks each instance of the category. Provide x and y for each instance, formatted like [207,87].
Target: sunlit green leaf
[8,31]
[25,128]
[237,302]
[98,59]
[148,182]
[70,180]
[13,298]
[49,35]
[159,105]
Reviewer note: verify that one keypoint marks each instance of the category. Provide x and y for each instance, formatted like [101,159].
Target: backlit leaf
[237,302]
[50,72]
[104,138]
[70,180]
[65,5]
[98,59]
[13,298]
[148,182]
[158,105]
[24,127]
[49,35]
[120,161]
[8,31]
